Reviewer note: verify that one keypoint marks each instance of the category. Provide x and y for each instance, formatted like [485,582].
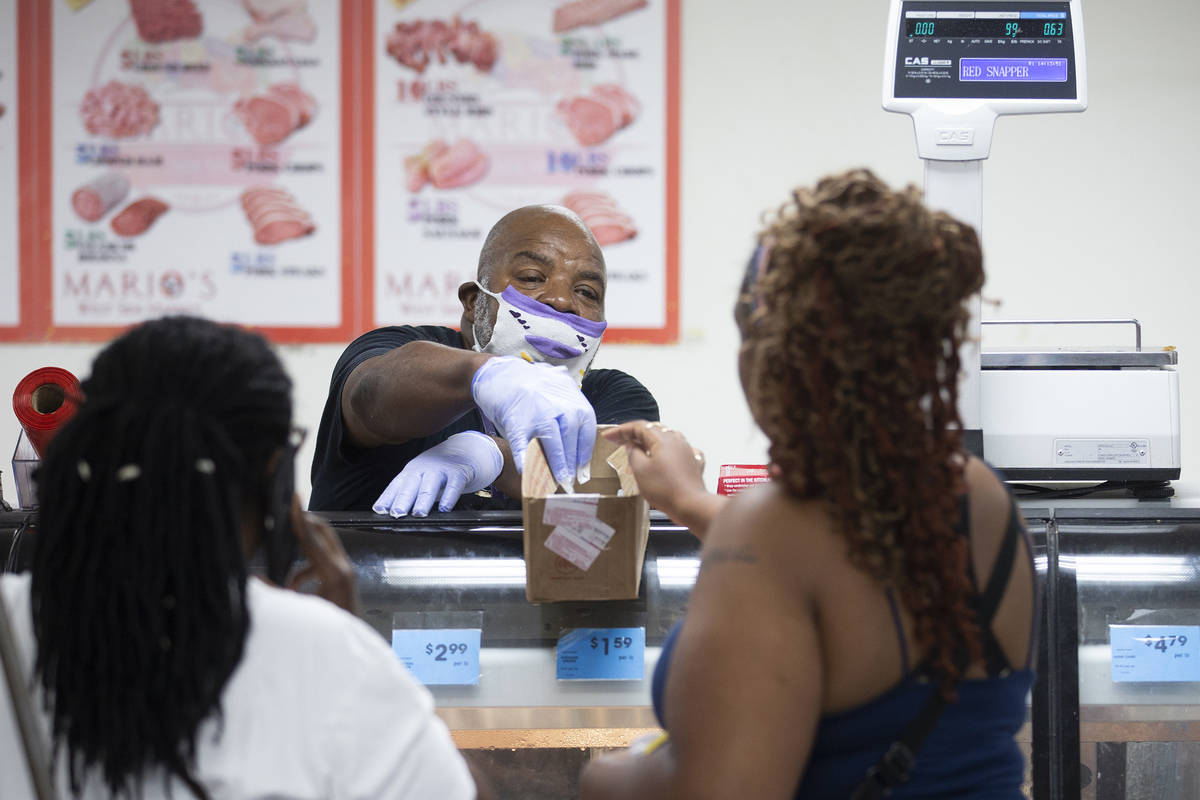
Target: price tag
[440,657]
[1149,653]
[602,654]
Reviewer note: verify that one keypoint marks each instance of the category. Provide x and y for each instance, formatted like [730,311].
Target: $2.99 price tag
[1151,653]
[602,654]
[440,657]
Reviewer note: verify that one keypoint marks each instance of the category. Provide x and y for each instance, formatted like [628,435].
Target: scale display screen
[990,50]
[998,25]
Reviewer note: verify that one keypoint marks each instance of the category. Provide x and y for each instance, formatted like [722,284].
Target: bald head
[519,222]
[544,252]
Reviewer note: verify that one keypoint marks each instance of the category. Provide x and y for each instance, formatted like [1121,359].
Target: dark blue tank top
[970,754]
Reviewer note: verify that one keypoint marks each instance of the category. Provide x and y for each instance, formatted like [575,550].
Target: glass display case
[1104,568]
[528,730]
[1125,591]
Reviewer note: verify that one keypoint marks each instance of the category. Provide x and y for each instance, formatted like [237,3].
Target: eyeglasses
[296,437]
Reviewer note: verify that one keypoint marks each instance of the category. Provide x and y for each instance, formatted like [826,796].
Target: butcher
[424,417]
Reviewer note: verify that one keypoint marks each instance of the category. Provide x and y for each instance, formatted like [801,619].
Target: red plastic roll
[43,401]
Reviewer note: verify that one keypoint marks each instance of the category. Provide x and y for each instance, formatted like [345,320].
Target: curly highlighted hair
[852,315]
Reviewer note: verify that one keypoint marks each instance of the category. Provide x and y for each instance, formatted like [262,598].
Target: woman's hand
[327,563]
[669,472]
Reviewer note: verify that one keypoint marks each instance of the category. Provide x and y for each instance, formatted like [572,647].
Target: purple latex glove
[466,462]
[525,400]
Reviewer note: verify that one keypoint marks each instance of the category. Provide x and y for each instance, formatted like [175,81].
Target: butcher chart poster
[10,282]
[482,106]
[197,163]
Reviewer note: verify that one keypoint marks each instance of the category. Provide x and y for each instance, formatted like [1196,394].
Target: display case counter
[1088,736]
[528,731]
[1127,590]
[473,563]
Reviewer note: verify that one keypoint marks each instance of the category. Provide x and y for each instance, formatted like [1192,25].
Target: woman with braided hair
[163,667]
[876,599]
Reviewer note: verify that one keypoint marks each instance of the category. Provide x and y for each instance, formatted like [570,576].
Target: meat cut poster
[10,282]
[197,162]
[482,106]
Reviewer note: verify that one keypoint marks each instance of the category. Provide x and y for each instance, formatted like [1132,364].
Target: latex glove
[465,462]
[525,401]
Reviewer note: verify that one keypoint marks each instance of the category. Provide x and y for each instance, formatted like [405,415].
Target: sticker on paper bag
[577,536]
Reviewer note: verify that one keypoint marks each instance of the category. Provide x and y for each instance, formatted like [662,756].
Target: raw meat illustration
[286,20]
[414,44]
[139,215]
[596,116]
[118,110]
[97,197]
[609,224]
[446,166]
[416,168]
[592,12]
[273,116]
[166,20]
[275,216]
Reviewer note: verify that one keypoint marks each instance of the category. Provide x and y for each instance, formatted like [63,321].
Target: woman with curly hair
[882,572]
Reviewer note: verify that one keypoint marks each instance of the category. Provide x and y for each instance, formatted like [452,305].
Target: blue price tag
[602,654]
[440,657]
[1148,653]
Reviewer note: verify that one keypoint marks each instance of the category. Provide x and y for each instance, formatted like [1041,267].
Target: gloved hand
[526,400]
[465,462]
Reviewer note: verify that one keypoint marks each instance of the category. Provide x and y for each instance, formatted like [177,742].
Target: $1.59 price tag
[1149,653]
[440,657]
[602,654]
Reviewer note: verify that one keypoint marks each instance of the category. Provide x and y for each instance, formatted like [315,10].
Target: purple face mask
[537,332]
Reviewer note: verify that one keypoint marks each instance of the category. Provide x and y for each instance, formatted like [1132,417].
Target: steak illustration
[415,44]
[97,197]
[446,167]
[118,110]
[608,223]
[138,216]
[592,12]
[166,20]
[275,216]
[593,118]
[272,117]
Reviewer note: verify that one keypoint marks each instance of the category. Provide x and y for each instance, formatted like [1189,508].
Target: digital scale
[954,66]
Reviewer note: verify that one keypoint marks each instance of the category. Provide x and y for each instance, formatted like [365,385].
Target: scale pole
[956,187]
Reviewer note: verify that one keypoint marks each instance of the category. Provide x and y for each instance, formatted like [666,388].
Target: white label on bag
[577,536]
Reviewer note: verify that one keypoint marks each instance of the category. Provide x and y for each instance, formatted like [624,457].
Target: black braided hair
[139,576]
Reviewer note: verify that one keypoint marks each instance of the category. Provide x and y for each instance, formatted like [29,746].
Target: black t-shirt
[349,478]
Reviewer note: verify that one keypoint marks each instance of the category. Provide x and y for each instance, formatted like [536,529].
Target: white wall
[1089,215]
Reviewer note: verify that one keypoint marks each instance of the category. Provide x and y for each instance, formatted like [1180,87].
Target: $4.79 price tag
[602,654]
[1149,653]
[440,657]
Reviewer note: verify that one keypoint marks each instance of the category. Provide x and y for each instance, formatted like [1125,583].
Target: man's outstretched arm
[407,393]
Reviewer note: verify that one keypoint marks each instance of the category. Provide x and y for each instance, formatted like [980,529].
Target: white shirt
[318,707]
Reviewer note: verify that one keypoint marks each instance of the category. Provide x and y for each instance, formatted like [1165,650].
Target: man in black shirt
[421,413]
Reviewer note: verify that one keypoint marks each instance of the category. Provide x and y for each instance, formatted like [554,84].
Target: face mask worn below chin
[537,332]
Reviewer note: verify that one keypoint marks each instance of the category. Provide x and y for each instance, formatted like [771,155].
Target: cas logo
[914,61]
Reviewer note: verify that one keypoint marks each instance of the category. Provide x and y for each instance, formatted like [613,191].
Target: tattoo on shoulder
[729,555]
